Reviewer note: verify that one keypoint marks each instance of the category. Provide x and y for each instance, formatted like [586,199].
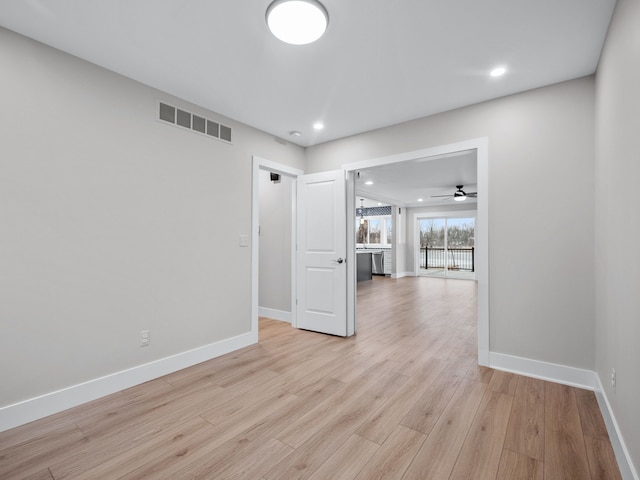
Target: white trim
[416,154]
[293,320]
[552,372]
[403,274]
[446,214]
[482,250]
[481,146]
[39,407]
[260,163]
[351,267]
[275,167]
[274,314]
[255,243]
[627,469]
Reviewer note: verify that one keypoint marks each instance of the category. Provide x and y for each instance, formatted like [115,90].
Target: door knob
[340,260]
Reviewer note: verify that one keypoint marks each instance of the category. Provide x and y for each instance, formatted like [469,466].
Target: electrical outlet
[613,379]
[145,338]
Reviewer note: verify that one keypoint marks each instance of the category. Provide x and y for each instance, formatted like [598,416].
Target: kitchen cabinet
[388,261]
[363,261]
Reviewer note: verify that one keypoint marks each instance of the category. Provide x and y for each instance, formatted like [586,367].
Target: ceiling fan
[459,195]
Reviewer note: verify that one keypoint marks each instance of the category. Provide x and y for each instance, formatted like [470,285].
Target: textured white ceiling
[380,62]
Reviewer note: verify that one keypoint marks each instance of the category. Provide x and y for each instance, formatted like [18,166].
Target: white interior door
[321,291]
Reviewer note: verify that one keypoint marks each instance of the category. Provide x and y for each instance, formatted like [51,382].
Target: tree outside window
[432,232]
[375,230]
[362,231]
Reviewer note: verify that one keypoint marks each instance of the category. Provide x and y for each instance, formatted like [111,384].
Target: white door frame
[481,145]
[264,164]
[352,269]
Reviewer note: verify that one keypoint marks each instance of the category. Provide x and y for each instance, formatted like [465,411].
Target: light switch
[244,240]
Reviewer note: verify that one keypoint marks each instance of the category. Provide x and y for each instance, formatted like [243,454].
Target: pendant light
[297,22]
[362,211]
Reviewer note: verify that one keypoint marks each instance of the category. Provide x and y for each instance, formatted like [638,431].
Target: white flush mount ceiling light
[297,22]
[498,71]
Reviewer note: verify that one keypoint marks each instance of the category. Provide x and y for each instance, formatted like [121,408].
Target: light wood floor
[402,399]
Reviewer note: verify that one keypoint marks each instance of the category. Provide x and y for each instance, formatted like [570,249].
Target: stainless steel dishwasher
[377,263]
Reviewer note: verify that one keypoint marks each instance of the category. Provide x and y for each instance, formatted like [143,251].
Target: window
[432,232]
[460,232]
[374,231]
[446,244]
[389,230]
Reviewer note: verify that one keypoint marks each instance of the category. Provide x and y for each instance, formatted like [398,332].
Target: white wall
[399,266]
[275,243]
[618,220]
[541,247]
[112,222]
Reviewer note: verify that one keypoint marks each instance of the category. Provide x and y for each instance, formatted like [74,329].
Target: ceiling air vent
[195,123]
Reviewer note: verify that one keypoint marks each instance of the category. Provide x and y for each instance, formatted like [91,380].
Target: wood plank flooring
[403,399]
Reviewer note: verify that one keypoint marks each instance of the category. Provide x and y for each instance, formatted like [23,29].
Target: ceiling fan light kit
[459,195]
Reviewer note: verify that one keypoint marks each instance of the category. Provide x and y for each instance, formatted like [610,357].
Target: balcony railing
[452,258]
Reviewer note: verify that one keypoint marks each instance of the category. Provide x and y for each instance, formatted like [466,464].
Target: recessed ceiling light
[318,126]
[297,22]
[294,133]
[379,203]
[368,182]
[420,200]
[498,71]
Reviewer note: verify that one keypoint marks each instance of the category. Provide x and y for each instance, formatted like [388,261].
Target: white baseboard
[403,274]
[39,407]
[275,314]
[627,469]
[575,377]
[483,357]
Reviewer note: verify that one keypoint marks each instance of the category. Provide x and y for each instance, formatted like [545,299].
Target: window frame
[383,231]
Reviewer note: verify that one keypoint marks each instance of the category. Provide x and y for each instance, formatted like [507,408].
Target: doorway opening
[405,257]
[273,260]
